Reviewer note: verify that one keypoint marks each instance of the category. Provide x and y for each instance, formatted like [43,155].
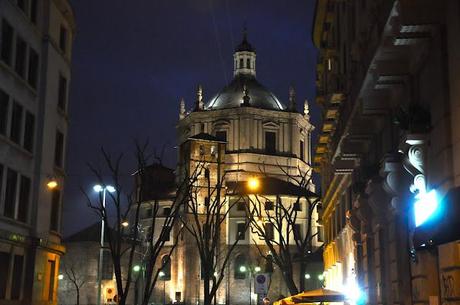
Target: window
[16,123]
[241,63]
[24,198]
[29,130]
[166,263]
[10,193]
[62,93]
[32,77]
[52,275]
[55,200]
[269,264]
[21,54]
[297,206]
[241,231]
[166,211]
[239,267]
[7,42]
[33,11]
[302,146]
[4,270]
[268,205]
[270,142]
[297,231]
[63,39]
[59,149]
[248,63]
[3,112]
[166,235]
[221,135]
[241,206]
[269,234]
[16,282]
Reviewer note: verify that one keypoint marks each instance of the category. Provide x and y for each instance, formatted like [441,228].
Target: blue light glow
[425,206]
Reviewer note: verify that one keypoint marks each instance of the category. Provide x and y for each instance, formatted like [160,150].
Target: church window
[221,135]
[241,63]
[241,231]
[166,263]
[302,156]
[241,206]
[269,233]
[270,142]
[297,206]
[268,205]
[166,211]
[248,63]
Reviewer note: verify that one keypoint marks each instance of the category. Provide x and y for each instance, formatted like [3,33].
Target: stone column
[397,183]
[424,266]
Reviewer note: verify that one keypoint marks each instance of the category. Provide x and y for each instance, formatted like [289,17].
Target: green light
[242,268]
[136,268]
[161,274]
[307,276]
[257,269]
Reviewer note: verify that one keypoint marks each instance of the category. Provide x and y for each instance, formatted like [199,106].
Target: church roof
[245,45]
[231,96]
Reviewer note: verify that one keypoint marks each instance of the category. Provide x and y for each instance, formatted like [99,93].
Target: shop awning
[313,296]
[443,226]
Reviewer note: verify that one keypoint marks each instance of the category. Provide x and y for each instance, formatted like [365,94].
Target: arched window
[241,63]
[269,264]
[166,270]
[240,267]
[248,63]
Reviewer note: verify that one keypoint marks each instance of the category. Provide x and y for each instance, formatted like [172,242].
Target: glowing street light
[60,277]
[320,277]
[253,184]
[242,268]
[257,269]
[136,268]
[307,276]
[99,188]
[125,223]
[161,274]
[52,184]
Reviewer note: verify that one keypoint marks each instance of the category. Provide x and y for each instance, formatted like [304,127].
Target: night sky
[134,60]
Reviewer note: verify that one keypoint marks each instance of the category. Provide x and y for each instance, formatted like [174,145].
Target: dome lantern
[244,58]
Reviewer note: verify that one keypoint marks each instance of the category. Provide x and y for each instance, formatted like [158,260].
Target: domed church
[255,135]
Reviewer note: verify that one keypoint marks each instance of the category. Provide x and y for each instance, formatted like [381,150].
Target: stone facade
[35,62]
[388,88]
[242,132]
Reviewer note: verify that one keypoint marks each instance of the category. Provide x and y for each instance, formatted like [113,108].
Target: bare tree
[128,247]
[205,213]
[289,249]
[77,279]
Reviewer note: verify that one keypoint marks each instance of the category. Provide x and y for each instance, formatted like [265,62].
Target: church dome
[232,95]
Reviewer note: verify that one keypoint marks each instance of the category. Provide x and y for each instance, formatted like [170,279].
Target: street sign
[261,283]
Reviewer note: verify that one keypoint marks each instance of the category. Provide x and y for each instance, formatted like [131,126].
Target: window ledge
[18,78]
[16,146]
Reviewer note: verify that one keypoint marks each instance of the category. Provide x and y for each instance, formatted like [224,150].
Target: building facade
[242,132]
[389,145]
[35,54]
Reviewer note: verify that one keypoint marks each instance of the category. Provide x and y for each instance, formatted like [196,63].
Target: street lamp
[99,188]
[161,274]
[253,183]
[307,276]
[252,271]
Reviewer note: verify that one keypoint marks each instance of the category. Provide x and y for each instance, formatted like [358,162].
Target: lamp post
[161,274]
[251,271]
[99,188]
